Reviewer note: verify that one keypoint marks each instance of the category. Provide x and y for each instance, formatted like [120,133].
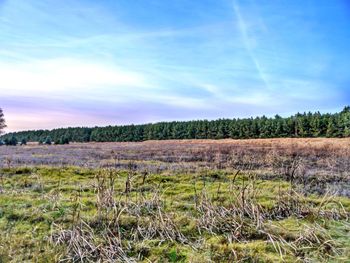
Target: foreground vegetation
[77,214]
[297,126]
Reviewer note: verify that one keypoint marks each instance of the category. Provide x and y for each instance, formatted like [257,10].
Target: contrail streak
[247,43]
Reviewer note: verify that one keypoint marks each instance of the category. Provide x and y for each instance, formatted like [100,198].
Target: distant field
[268,200]
[325,158]
[174,151]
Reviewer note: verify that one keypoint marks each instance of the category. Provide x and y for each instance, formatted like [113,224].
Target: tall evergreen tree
[331,131]
[345,121]
[2,121]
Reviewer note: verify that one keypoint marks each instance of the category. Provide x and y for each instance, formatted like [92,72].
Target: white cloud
[59,76]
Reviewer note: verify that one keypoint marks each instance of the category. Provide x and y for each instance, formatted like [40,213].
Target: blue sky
[87,63]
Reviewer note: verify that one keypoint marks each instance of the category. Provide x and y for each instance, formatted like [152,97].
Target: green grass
[36,203]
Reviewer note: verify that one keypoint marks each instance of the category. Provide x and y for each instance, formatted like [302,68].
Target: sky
[114,62]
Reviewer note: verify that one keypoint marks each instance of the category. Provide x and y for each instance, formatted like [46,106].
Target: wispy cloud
[66,77]
[249,42]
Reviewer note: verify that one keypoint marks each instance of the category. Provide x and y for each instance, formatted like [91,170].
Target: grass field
[282,200]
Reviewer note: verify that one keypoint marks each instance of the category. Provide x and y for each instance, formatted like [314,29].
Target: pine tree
[345,121]
[12,141]
[331,132]
[64,140]
[315,124]
[2,121]
[346,132]
[23,141]
[48,140]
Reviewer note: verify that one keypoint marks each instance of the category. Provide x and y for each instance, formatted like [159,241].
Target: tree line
[299,125]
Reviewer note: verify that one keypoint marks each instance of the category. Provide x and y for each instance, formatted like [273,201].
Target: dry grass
[176,151]
[278,200]
[325,162]
[84,215]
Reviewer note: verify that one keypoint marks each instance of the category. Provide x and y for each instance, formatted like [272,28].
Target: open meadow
[264,200]
[174,131]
